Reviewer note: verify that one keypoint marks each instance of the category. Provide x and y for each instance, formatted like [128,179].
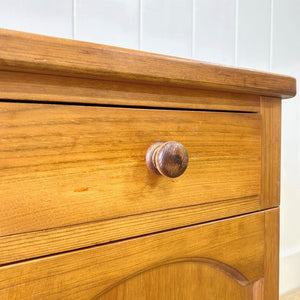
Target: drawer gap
[125,106]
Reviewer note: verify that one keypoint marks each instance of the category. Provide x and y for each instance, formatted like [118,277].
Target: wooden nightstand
[81,215]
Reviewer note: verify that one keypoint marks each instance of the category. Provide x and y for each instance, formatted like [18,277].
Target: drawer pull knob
[169,159]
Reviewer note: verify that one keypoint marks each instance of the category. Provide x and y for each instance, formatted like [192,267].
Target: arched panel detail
[228,270]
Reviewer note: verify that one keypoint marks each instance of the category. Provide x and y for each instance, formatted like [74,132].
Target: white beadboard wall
[256,34]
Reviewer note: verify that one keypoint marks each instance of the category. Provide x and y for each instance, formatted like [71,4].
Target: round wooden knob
[169,159]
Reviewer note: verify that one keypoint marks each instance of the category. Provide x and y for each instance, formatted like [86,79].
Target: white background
[258,34]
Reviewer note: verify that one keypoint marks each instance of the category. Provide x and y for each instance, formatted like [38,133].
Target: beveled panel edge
[34,53]
[20,247]
[227,270]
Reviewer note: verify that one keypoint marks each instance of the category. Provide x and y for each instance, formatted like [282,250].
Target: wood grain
[40,243]
[73,176]
[58,88]
[46,55]
[236,243]
[271,147]
[271,257]
[64,165]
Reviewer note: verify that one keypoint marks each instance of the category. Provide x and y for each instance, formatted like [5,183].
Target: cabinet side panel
[271,257]
[271,139]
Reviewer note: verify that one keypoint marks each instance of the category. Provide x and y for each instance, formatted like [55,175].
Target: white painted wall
[259,34]
[285,58]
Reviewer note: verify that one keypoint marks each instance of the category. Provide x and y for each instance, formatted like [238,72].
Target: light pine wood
[33,53]
[234,246]
[40,243]
[81,216]
[200,281]
[64,165]
[271,256]
[65,89]
[271,144]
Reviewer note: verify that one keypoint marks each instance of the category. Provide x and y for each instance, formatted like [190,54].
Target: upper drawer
[65,164]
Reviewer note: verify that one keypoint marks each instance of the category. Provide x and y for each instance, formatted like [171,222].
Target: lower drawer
[231,259]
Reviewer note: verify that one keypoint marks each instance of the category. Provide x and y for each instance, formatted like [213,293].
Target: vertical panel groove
[271,35]
[73,19]
[140,25]
[236,32]
[193,28]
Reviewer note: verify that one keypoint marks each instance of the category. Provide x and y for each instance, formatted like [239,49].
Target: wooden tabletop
[32,53]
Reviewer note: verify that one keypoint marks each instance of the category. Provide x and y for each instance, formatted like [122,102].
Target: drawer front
[65,164]
[178,264]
